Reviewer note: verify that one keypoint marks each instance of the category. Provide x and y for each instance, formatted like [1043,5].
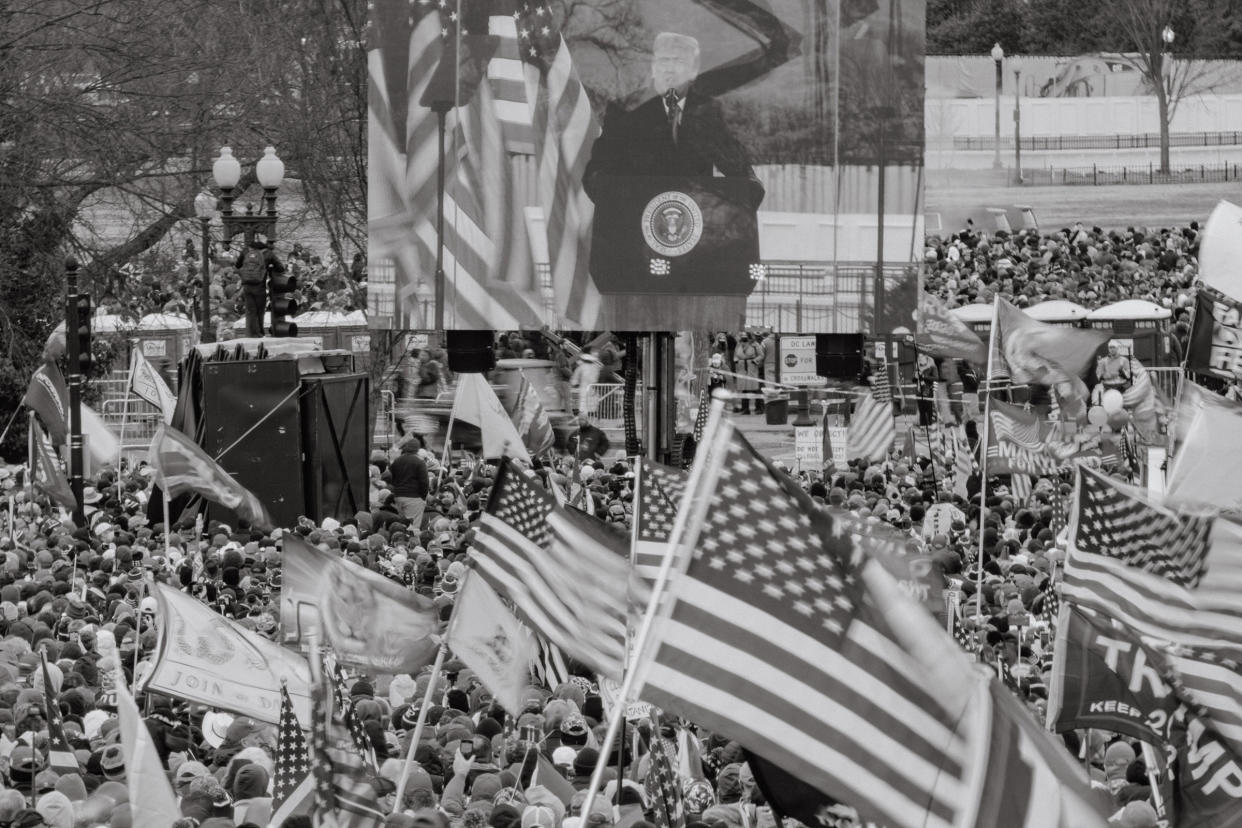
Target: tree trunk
[1162,102]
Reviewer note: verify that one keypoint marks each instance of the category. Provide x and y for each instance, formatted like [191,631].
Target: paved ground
[1110,207]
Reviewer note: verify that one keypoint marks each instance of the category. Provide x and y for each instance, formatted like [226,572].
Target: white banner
[798,362]
[838,440]
[204,657]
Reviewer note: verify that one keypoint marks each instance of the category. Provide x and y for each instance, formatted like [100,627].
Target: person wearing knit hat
[1138,814]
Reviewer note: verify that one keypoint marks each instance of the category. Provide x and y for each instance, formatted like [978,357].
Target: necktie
[671,99]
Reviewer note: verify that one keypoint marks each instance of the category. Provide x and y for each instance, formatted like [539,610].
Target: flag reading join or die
[201,654]
[807,653]
[369,621]
[1168,577]
[147,384]
[181,466]
[658,490]
[486,637]
[571,584]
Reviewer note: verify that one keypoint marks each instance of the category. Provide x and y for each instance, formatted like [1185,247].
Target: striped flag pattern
[1115,524]
[567,576]
[564,130]
[658,495]
[60,756]
[1020,485]
[344,791]
[292,784]
[344,710]
[1200,627]
[969,639]
[663,786]
[181,466]
[531,419]
[700,418]
[783,636]
[871,432]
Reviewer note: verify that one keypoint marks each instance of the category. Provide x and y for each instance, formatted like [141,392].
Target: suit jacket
[639,142]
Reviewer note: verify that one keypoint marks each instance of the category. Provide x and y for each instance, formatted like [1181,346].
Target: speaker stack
[471,352]
[839,356]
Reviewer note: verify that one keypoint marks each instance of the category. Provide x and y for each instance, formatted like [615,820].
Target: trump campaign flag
[47,395]
[369,621]
[181,466]
[487,638]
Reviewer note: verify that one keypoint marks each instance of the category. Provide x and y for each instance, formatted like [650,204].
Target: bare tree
[1159,29]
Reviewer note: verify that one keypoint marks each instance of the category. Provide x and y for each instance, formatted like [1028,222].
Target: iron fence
[1097,175]
[1143,140]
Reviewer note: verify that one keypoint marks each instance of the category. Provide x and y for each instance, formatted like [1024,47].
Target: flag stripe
[871,431]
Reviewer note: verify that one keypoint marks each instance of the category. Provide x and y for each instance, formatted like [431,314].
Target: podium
[674,252]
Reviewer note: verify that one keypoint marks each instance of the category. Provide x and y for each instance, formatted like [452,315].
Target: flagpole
[30,455]
[983,458]
[447,454]
[675,540]
[419,725]
[129,387]
[167,521]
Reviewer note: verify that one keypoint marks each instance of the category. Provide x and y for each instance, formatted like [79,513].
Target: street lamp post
[998,56]
[204,206]
[1016,63]
[75,340]
[270,172]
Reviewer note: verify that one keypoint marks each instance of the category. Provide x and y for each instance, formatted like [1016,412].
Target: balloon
[1097,416]
[1112,401]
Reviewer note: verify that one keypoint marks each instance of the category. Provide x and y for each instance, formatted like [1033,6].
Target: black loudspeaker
[335,413]
[261,395]
[471,352]
[839,356]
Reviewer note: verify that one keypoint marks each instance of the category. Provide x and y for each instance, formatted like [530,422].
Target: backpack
[253,269]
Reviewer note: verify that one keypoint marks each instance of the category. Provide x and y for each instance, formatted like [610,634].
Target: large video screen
[645,164]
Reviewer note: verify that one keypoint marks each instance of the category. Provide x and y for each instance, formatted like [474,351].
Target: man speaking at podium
[678,132]
[675,227]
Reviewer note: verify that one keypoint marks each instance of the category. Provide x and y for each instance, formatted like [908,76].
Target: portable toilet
[165,339]
[978,318]
[1140,325]
[1060,312]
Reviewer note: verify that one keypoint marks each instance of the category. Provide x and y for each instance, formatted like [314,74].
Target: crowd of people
[173,285]
[77,595]
[1086,265]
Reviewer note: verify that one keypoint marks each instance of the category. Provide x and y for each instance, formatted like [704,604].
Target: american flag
[1059,516]
[345,793]
[773,640]
[871,431]
[564,130]
[1200,626]
[663,786]
[292,784]
[567,576]
[345,711]
[60,756]
[406,41]
[1020,485]
[531,419]
[963,461]
[969,639]
[881,388]
[1115,524]
[1051,606]
[700,418]
[657,494]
